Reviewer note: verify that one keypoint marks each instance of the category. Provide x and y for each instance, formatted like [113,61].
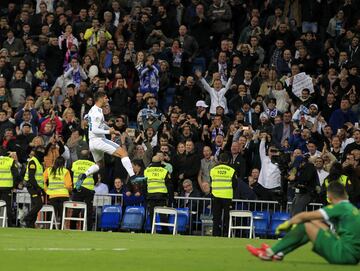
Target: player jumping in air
[98,143]
[338,246]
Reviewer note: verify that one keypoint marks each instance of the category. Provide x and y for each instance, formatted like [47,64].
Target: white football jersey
[96,122]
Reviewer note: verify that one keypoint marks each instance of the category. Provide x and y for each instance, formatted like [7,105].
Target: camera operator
[304,179]
[268,186]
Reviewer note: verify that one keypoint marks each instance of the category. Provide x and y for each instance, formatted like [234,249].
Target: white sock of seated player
[128,166]
[91,170]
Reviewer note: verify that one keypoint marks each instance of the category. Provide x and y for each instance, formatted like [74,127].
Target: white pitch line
[64,249]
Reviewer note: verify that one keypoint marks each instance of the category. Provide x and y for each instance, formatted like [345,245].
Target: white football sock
[127,165]
[91,170]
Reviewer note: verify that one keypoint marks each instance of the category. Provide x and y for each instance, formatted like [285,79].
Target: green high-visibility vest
[79,167]
[38,173]
[156,179]
[221,181]
[6,178]
[57,182]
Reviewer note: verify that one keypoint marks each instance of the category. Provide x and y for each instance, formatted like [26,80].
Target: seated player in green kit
[338,246]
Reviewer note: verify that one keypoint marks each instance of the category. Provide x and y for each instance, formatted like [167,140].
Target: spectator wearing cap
[202,115]
[342,115]
[264,123]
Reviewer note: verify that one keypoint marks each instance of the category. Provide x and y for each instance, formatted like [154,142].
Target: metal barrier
[270,206]
[200,208]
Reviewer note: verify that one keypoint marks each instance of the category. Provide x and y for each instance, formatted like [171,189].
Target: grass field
[22,249]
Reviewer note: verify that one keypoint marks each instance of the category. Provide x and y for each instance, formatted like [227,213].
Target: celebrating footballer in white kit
[98,143]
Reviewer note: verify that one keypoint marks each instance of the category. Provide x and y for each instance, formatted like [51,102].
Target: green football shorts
[332,248]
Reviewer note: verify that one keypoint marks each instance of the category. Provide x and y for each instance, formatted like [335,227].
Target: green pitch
[22,249]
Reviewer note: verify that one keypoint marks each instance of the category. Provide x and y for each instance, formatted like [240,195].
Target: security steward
[223,183]
[336,174]
[57,184]
[9,178]
[159,187]
[34,182]
[84,193]
[305,182]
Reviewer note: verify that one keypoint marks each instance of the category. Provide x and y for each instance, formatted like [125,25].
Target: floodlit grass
[22,249]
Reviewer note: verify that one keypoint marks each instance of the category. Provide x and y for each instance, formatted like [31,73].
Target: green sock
[292,240]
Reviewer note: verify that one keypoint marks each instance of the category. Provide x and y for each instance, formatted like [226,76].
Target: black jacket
[306,178]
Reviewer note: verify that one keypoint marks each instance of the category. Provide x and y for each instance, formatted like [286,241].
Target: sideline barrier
[200,208]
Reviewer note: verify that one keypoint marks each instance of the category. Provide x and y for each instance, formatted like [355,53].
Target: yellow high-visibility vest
[79,167]
[221,181]
[156,179]
[57,183]
[38,173]
[343,179]
[6,178]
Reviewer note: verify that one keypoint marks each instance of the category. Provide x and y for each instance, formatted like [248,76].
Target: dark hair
[224,158]
[337,190]
[335,172]
[59,164]
[98,95]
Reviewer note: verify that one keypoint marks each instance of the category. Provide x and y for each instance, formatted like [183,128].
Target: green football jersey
[346,219]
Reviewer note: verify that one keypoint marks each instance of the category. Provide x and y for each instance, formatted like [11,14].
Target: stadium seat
[261,222]
[133,218]
[52,222]
[111,217]
[164,211]
[241,214]
[182,219]
[276,219]
[3,217]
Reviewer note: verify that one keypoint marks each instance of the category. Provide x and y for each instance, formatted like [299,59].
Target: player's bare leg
[91,170]
[312,229]
[125,160]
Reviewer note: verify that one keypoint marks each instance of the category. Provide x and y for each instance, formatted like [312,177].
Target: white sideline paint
[64,249]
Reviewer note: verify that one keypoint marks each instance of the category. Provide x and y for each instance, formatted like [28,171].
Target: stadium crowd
[188,80]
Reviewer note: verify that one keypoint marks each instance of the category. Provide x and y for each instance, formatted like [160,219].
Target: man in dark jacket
[304,182]
[188,94]
[54,57]
[220,17]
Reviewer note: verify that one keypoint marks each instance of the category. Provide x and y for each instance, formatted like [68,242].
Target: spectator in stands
[342,116]
[269,182]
